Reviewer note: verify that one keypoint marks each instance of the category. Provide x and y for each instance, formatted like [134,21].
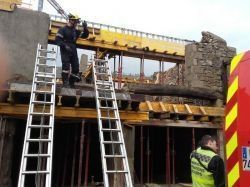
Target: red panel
[243,122]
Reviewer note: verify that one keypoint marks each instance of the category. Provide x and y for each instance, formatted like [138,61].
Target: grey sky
[179,18]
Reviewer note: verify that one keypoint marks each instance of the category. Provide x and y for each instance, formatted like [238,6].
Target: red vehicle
[237,122]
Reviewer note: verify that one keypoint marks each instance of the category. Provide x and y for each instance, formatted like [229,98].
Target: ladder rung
[39,126]
[100,60]
[115,130]
[46,65]
[104,82]
[116,171]
[45,76]
[46,58]
[41,114]
[101,67]
[37,155]
[108,118]
[38,140]
[42,102]
[46,51]
[44,82]
[112,142]
[35,172]
[43,92]
[98,73]
[44,73]
[106,98]
[105,89]
[107,108]
[114,156]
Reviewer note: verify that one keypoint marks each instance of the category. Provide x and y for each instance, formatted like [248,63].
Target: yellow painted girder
[122,41]
[70,112]
[9,5]
[182,109]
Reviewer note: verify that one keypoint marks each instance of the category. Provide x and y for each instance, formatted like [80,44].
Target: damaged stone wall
[206,66]
[206,63]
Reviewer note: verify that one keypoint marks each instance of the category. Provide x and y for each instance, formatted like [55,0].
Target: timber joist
[21,110]
[182,111]
[131,45]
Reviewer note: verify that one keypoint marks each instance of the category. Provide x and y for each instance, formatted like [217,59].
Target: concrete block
[23,29]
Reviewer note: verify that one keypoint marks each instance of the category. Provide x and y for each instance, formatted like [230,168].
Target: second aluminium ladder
[113,152]
[36,162]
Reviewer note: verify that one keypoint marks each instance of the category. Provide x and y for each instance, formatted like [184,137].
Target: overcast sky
[186,19]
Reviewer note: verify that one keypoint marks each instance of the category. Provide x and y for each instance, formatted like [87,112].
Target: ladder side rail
[23,165]
[121,137]
[51,124]
[104,165]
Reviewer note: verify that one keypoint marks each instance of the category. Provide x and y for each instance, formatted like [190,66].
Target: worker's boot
[65,79]
[74,78]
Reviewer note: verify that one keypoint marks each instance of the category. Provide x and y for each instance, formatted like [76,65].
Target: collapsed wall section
[20,32]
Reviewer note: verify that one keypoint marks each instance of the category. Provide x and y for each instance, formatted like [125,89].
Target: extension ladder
[113,152]
[36,162]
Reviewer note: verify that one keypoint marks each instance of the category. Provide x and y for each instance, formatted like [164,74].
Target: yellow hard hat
[74,17]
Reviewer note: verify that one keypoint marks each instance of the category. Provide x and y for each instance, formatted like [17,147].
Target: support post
[142,69]
[168,158]
[74,159]
[193,138]
[148,156]
[114,66]
[87,158]
[173,158]
[81,154]
[65,161]
[141,156]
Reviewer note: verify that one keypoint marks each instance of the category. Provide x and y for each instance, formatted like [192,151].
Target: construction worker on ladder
[66,38]
[207,167]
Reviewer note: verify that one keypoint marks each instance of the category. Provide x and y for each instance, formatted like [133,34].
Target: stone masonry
[206,63]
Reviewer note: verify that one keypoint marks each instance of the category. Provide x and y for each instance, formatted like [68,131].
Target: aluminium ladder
[113,152]
[36,162]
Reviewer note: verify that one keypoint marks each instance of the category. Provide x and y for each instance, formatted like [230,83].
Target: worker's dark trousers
[69,59]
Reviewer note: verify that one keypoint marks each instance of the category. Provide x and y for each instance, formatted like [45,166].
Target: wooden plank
[150,108]
[162,107]
[70,112]
[203,111]
[181,108]
[178,123]
[188,108]
[175,109]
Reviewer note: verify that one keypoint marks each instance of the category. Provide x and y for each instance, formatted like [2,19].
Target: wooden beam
[177,123]
[181,109]
[162,107]
[188,109]
[70,112]
[149,106]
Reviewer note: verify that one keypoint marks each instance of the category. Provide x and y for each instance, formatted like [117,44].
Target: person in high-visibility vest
[207,167]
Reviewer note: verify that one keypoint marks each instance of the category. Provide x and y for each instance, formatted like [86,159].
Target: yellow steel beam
[160,107]
[70,112]
[123,42]
[9,5]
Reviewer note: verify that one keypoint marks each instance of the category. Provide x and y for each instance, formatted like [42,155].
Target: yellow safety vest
[201,177]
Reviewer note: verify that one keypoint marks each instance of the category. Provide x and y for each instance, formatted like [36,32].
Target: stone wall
[206,63]
[20,32]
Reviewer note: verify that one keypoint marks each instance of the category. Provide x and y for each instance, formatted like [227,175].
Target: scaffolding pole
[86,173]
[81,154]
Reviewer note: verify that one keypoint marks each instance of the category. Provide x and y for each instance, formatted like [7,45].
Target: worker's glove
[84,24]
